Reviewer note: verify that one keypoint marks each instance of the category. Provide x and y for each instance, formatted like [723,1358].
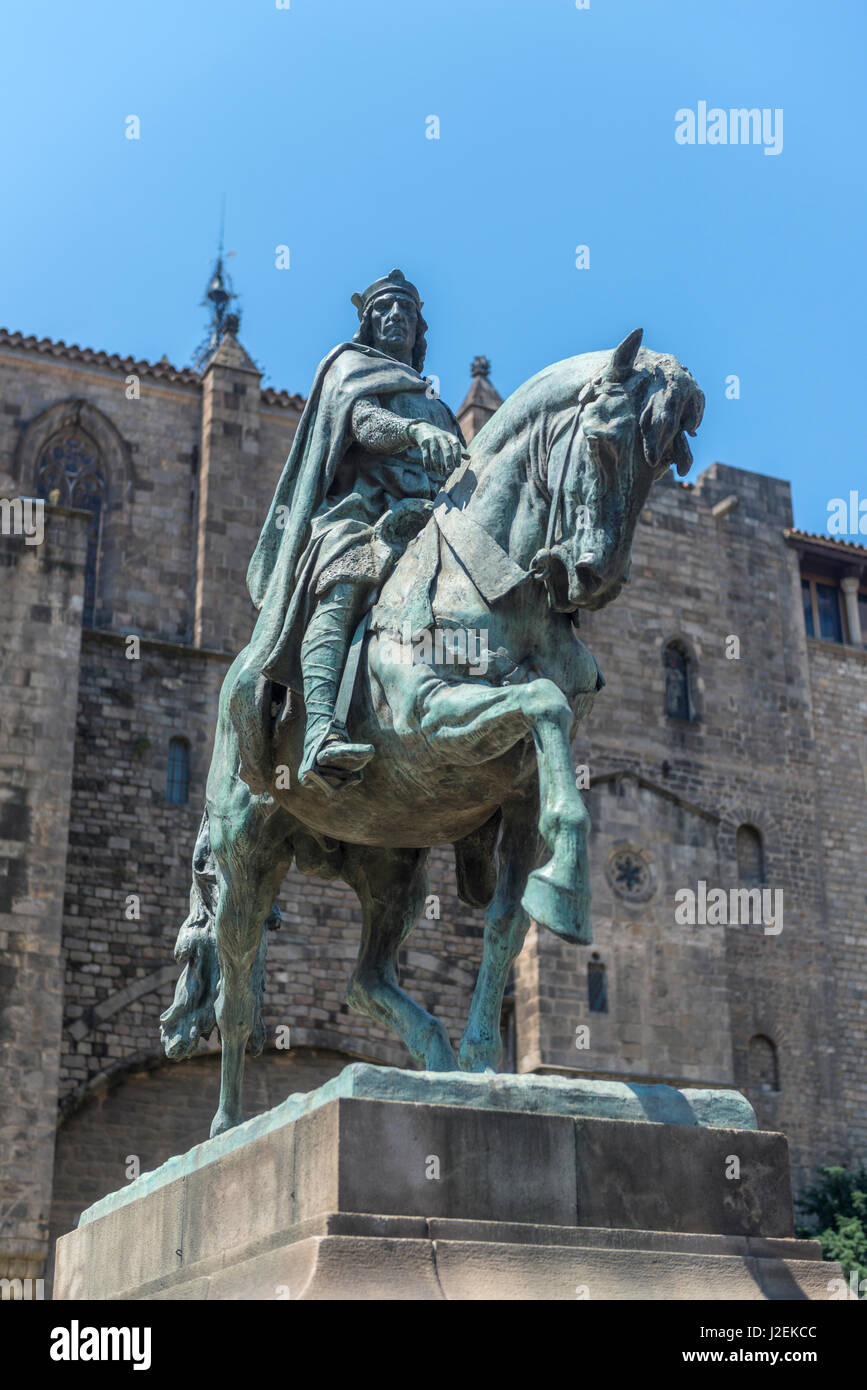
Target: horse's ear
[623,357]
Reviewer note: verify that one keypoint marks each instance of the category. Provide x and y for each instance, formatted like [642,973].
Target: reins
[464,532]
[588,392]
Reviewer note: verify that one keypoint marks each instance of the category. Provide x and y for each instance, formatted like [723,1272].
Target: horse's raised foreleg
[506,923]
[558,894]
[471,724]
[252,851]
[391,886]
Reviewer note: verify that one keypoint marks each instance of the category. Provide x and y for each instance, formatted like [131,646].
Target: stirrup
[331,783]
[331,779]
[339,756]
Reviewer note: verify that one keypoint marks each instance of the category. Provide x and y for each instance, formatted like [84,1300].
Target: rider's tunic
[366,486]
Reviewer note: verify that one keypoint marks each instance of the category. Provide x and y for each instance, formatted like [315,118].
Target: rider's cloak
[280,574]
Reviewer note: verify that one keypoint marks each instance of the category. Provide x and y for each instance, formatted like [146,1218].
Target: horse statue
[472,739]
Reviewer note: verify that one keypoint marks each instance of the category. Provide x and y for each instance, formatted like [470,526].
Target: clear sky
[557,129]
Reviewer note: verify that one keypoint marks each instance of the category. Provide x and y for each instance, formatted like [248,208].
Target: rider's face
[393,320]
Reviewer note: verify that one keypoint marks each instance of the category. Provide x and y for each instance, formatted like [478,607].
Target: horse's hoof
[221,1122]
[437,1051]
[441,1059]
[561,910]
[479,1056]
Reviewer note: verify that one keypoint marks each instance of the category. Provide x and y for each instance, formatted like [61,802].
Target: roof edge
[163,370]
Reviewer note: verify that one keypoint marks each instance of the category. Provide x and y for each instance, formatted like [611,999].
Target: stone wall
[236,483]
[129,849]
[183,461]
[778,743]
[839,682]
[40,631]
[685,1002]
[146,1112]
[126,840]
[148,451]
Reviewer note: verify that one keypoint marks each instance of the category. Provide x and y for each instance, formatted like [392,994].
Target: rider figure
[373,444]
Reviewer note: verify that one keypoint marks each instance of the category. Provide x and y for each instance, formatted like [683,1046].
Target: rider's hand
[440,451]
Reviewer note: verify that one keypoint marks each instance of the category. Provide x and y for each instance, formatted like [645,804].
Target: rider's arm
[380,431]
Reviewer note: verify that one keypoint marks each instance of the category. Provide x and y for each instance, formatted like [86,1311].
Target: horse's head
[630,425]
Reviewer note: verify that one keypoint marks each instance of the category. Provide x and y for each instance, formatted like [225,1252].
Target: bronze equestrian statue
[373,437]
[347,748]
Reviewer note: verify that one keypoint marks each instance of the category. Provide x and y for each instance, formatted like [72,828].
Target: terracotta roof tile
[270,396]
[791,533]
[160,371]
[48,347]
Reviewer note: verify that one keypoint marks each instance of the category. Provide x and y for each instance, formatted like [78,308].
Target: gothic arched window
[178,772]
[750,855]
[678,682]
[597,990]
[763,1072]
[69,475]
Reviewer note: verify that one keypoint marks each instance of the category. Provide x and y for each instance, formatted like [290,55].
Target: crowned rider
[374,443]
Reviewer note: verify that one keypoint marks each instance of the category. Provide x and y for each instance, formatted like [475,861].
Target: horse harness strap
[347,680]
[491,569]
[493,572]
[588,392]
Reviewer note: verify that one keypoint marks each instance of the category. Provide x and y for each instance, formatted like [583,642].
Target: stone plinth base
[348,1196]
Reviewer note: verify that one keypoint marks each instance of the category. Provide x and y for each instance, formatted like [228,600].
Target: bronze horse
[536,524]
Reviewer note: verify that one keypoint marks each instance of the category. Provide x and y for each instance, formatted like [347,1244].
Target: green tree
[837,1204]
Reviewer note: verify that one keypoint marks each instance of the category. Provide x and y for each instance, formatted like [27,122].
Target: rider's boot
[323,653]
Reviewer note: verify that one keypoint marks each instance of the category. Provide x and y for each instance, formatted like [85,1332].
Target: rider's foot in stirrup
[337,756]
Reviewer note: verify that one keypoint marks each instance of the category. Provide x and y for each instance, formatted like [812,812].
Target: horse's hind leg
[506,923]
[391,886]
[252,850]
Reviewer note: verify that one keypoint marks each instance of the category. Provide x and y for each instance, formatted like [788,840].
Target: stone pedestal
[345,1194]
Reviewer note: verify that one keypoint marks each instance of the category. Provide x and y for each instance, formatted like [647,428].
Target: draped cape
[349,373]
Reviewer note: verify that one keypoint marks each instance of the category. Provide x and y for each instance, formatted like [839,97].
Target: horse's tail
[192,1014]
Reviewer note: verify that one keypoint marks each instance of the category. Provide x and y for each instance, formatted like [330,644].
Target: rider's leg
[323,653]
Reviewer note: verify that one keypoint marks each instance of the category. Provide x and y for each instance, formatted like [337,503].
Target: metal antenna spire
[218,296]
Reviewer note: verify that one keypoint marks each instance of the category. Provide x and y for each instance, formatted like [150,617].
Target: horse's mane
[554,389]
[558,386]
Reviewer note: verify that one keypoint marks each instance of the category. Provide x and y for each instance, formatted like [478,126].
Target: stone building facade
[728,749]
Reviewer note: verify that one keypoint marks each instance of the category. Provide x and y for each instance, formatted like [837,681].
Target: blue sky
[556,130]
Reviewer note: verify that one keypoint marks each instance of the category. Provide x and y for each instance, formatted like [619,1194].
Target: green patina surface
[540,1095]
[351,738]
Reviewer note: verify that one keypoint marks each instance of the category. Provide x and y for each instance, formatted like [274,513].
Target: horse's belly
[357,819]
[406,803]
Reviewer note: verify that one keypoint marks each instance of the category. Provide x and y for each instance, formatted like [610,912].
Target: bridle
[589,392]
[465,535]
